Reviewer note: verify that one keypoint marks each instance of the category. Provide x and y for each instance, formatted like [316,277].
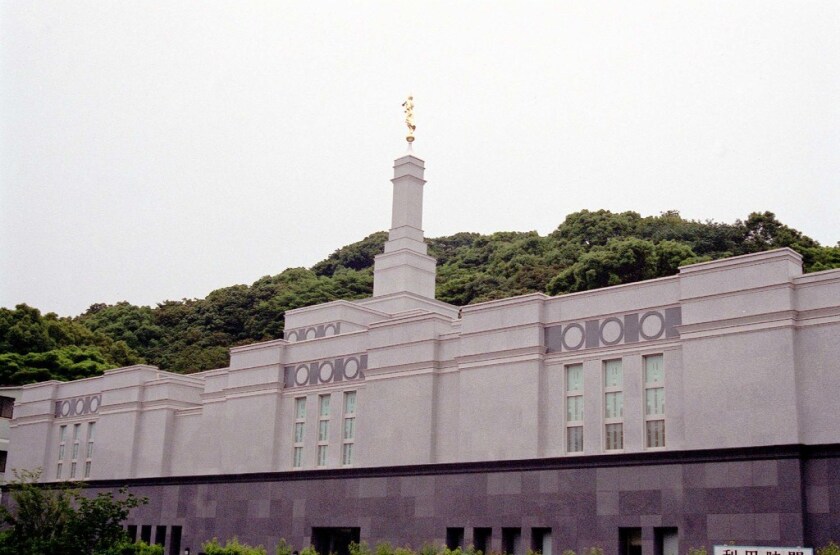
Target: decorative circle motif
[79,406]
[651,325]
[573,334]
[65,408]
[302,374]
[310,333]
[329,330]
[94,403]
[293,336]
[325,372]
[612,331]
[351,368]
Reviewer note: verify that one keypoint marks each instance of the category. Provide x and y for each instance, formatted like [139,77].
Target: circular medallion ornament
[651,325]
[302,375]
[325,372]
[573,337]
[351,368]
[612,331]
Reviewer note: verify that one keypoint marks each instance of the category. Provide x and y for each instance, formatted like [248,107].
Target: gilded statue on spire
[409,118]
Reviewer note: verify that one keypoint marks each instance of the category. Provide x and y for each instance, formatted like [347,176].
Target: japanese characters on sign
[762,550]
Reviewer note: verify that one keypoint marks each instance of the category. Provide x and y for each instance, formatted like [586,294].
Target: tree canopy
[44,520]
[588,250]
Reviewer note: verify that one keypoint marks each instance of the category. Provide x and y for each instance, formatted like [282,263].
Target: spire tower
[405,267]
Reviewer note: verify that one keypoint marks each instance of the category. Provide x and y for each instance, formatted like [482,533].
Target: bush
[232,547]
[284,548]
[139,548]
[63,520]
[830,549]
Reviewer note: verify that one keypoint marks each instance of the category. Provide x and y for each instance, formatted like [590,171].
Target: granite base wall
[769,496]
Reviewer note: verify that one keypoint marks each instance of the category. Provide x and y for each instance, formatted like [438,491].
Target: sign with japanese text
[763,550]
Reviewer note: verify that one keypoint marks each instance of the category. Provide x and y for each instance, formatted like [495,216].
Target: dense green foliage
[63,520]
[588,250]
[231,547]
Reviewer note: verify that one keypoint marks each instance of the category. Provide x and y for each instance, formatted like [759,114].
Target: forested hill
[588,250]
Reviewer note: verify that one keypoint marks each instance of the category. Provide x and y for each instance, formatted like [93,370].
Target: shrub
[63,520]
[139,548]
[232,547]
[429,549]
[697,551]
[384,548]
[830,549]
[358,549]
[284,548]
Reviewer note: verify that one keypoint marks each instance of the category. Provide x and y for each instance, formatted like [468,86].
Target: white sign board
[761,550]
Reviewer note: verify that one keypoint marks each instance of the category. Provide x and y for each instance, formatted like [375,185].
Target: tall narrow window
[654,401]
[7,406]
[62,446]
[77,432]
[300,422]
[91,434]
[574,408]
[323,428]
[613,405]
[349,428]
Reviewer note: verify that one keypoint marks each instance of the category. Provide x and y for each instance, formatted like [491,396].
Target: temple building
[645,418]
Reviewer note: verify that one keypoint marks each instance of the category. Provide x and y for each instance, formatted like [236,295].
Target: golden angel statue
[409,118]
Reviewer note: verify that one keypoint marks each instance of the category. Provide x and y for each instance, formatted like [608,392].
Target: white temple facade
[642,418]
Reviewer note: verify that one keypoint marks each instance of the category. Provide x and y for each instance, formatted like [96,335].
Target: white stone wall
[754,361]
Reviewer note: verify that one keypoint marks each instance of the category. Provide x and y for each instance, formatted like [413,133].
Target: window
[300,421]
[91,434]
[62,441]
[77,432]
[574,408]
[654,401]
[77,429]
[349,428]
[3,456]
[90,437]
[323,428]
[7,406]
[613,405]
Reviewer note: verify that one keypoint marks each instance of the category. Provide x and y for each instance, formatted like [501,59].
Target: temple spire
[405,267]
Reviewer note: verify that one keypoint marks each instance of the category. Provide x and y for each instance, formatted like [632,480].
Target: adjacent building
[645,418]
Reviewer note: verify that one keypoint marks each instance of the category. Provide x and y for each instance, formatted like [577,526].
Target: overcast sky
[160,150]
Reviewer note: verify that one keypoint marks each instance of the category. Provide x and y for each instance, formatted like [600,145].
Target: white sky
[160,150]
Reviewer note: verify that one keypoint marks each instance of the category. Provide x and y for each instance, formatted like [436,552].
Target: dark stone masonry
[762,496]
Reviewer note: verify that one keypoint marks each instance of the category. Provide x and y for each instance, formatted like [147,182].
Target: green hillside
[587,251]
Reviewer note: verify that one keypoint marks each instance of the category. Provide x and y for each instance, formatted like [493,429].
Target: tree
[48,520]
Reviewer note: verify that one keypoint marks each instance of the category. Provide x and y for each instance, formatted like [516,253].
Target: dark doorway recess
[175,541]
[666,541]
[630,541]
[334,540]
[454,538]
[481,538]
[512,541]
